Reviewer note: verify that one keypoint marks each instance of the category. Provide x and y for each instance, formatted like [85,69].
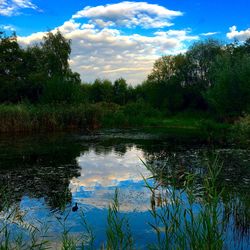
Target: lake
[43,176]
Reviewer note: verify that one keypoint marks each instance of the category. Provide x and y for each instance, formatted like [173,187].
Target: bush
[132,114]
[241,130]
[214,131]
[57,90]
[140,108]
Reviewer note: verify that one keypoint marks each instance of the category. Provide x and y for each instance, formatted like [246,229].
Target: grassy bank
[24,118]
[197,125]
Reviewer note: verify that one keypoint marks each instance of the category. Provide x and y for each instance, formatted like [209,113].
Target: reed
[118,231]
[27,118]
[187,218]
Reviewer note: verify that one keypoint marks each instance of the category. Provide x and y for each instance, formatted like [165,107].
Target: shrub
[241,130]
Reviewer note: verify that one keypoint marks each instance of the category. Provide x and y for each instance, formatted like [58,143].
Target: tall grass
[28,118]
[188,218]
[55,117]
[32,236]
[118,230]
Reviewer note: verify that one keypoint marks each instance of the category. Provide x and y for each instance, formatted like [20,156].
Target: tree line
[209,77]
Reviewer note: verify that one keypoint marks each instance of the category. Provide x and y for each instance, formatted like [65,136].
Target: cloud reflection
[101,174]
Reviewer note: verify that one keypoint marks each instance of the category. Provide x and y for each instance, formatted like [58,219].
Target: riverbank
[24,118]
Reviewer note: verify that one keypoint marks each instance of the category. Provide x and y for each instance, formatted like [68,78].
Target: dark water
[46,175]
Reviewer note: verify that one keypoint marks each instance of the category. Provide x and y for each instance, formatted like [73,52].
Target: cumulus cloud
[239,35]
[32,39]
[129,14]
[13,7]
[107,53]
[209,33]
[100,51]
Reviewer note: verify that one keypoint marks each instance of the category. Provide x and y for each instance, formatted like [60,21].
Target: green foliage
[14,118]
[11,69]
[29,74]
[101,91]
[56,50]
[131,114]
[178,82]
[214,131]
[58,90]
[209,75]
[200,59]
[140,108]
[230,94]
[241,130]
[120,93]
[163,69]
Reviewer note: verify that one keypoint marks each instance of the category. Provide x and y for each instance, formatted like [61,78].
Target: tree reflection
[39,168]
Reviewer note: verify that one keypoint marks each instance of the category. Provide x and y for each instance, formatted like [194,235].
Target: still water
[46,175]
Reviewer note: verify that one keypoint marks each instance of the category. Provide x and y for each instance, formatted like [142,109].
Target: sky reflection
[101,174]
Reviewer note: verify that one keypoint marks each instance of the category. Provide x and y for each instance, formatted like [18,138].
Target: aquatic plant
[187,218]
[118,231]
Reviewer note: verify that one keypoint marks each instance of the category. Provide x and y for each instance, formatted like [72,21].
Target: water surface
[45,175]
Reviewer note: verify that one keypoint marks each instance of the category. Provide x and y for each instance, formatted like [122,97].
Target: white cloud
[239,35]
[7,27]
[32,39]
[13,7]
[210,33]
[129,14]
[108,52]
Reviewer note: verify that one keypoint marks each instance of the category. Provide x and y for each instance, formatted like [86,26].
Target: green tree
[56,49]
[57,90]
[11,68]
[230,95]
[120,91]
[163,69]
[29,74]
[101,91]
[61,84]
[200,59]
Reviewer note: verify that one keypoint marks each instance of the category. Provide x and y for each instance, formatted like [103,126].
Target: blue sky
[112,39]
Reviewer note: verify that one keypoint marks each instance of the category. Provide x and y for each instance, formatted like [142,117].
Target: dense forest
[210,78]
